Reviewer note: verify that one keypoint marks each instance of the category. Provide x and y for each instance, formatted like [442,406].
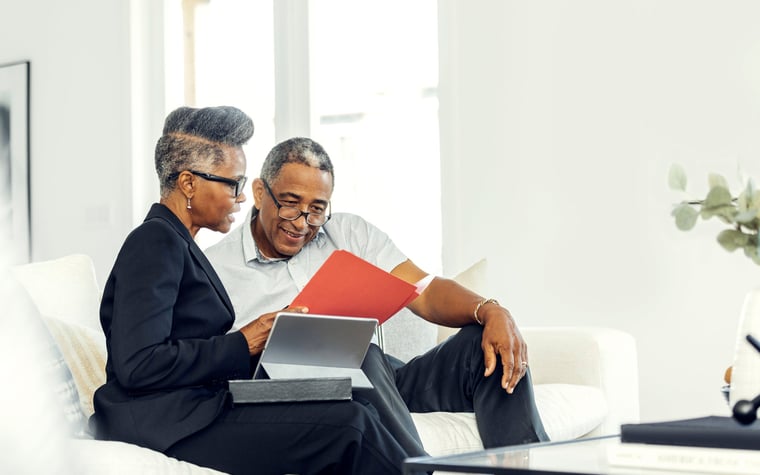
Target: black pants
[450,378]
[304,438]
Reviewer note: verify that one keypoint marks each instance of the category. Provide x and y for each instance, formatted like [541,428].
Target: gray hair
[296,150]
[196,138]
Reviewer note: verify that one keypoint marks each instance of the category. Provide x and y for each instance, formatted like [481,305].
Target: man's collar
[251,251]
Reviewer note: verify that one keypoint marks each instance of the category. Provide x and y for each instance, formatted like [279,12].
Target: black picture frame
[15,209]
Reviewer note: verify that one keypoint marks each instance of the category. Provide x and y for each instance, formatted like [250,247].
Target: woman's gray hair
[296,150]
[195,139]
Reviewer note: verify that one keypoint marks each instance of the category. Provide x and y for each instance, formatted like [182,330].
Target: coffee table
[577,457]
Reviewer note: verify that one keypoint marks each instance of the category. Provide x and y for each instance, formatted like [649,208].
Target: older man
[291,231]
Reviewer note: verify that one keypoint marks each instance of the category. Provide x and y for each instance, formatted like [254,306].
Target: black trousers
[304,438]
[450,378]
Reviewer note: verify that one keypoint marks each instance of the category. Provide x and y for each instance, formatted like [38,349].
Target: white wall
[82,134]
[559,121]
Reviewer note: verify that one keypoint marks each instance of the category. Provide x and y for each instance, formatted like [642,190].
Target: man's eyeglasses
[291,213]
[237,185]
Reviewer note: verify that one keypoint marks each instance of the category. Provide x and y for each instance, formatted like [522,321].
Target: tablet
[309,345]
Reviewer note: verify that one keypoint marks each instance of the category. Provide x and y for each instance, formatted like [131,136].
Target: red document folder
[349,286]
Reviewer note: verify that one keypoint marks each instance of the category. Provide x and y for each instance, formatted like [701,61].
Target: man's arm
[447,303]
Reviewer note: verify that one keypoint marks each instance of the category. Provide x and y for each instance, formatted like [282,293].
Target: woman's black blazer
[165,315]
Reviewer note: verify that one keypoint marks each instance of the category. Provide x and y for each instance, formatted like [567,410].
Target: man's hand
[502,341]
[445,302]
[256,333]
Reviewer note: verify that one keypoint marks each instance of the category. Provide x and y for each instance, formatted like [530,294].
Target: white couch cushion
[568,411]
[65,288]
[446,433]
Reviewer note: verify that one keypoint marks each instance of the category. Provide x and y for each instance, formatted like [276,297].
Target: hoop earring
[188,204]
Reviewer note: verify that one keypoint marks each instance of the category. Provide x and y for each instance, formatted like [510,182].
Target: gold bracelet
[485,301]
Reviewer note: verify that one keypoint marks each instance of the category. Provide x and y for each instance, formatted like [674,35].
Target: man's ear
[257,189]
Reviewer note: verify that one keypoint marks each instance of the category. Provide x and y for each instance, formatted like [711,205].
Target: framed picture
[15,223]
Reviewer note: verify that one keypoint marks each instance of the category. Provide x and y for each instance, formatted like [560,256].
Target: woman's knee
[353,414]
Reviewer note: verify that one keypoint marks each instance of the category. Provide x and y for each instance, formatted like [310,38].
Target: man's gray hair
[296,150]
[196,138]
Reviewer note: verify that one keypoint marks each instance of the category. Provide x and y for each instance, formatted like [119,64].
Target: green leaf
[715,180]
[717,197]
[686,216]
[725,213]
[732,239]
[677,178]
[719,203]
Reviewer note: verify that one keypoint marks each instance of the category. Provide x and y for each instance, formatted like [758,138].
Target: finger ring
[524,363]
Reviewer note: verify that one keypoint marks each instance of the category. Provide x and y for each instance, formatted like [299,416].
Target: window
[358,77]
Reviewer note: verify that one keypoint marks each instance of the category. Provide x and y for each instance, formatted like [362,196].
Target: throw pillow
[85,354]
[63,385]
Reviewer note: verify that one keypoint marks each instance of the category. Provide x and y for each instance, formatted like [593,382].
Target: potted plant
[741,213]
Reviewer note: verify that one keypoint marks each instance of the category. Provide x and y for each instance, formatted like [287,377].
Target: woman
[166,315]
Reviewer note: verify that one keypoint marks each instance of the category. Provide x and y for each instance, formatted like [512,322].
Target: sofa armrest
[604,358]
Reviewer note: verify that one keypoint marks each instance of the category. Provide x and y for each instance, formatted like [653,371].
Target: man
[290,232]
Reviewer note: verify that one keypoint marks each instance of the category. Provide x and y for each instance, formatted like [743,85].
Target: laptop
[308,346]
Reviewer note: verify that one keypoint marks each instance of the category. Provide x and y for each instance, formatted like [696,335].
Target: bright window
[371,72]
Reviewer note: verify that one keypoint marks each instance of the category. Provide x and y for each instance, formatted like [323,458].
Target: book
[710,431]
[347,285]
[248,391]
[684,459]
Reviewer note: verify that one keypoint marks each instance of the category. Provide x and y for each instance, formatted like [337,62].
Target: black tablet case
[248,391]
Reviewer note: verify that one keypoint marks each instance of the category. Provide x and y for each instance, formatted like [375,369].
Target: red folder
[349,286]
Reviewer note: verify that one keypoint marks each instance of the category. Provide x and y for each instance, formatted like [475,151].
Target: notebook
[308,346]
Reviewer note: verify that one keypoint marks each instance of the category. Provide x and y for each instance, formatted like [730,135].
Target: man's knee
[469,338]
[471,332]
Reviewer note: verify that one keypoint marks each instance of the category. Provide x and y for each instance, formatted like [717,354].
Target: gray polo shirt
[257,285]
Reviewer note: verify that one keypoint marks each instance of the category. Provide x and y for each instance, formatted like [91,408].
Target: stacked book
[712,444]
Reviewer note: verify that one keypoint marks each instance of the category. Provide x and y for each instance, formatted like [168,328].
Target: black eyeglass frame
[238,184]
[307,214]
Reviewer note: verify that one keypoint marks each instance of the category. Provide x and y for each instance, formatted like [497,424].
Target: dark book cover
[710,431]
[248,391]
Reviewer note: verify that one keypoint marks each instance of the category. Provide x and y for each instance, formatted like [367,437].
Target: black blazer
[165,315]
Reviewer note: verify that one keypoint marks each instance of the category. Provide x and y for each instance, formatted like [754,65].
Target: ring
[524,363]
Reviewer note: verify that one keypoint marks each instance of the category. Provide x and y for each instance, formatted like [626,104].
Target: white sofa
[586,379]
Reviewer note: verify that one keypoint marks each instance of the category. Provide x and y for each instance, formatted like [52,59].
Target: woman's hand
[256,333]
